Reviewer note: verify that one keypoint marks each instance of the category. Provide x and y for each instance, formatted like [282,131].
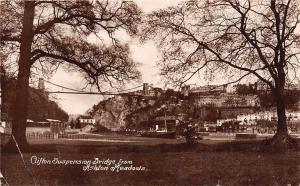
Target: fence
[49,135]
[39,135]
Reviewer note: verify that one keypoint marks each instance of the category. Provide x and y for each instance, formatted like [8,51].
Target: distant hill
[140,111]
[39,106]
[127,111]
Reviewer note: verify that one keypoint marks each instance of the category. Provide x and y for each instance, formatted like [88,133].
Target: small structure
[167,123]
[51,127]
[5,131]
[37,126]
[5,126]
[37,129]
[56,127]
[210,126]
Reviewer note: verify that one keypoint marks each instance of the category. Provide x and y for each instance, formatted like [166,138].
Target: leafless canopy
[62,35]
[241,37]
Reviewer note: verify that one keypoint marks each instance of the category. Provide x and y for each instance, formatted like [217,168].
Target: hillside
[112,113]
[39,106]
[133,112]
[140,111]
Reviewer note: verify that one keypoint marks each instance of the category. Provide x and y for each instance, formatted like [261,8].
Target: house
[225,100]
[210,126]
[209,89]
[226,113]
[150,91]
[85,120]
[220,122]
[167,123]
[268,115]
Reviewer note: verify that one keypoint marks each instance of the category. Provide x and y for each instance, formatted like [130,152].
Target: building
[5,129]
[85,120]
[185,90]
[208,100]
[234,100]
[149,90]
[41,88]
[262,86]
[293,87]
[5,123]
[208,89]
[226,100]
[220,122]
[293,116]
[232,89]
[210,126]
[232,112]
[167,123]
[45,127]
[267,120]
[41,84]
[268,115]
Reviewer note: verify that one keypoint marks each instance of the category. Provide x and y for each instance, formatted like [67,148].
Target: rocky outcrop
[137,111]
[113,113]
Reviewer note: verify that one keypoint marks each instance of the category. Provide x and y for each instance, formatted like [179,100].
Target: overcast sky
[146,54]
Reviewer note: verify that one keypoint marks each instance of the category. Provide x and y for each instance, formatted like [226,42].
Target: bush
[190,135]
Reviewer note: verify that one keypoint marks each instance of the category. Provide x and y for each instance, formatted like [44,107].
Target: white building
[221,121]
[268,115]
[86,120]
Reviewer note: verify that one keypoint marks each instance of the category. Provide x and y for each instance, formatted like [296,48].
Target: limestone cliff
[138,111]
[113,113]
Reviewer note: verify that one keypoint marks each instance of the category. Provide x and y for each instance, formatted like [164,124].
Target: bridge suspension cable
[86,92]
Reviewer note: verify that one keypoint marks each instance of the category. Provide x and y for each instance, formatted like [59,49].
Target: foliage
[40,36]
[245,37]
[239,38]
[79,35]
[243,89]
[292,98]
[39,105]
[189,134]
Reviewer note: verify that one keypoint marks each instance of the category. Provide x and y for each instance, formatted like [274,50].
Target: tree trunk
[281,124]
[20,103]
[281,140]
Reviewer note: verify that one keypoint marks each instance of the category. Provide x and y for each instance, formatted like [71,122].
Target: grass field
[166,162]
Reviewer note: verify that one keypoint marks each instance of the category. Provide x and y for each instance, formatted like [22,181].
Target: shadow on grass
[234,146]
[230,163]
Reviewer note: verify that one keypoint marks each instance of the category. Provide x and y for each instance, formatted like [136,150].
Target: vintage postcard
[150,92]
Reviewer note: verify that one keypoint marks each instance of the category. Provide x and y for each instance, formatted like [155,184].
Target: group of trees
[75,124]
[246,89]
[292,99]
[48,34]
[243,38]
[39,105]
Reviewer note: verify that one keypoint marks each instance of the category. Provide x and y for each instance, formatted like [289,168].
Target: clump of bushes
[190,134]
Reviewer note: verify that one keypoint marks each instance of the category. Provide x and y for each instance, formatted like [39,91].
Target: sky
[146,54]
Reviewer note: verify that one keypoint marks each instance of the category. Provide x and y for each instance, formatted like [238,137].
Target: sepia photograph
[150,92]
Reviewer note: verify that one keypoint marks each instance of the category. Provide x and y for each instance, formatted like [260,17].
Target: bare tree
[47,34]
[243,38]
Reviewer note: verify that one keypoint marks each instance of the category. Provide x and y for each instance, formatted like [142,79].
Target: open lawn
[234,163]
